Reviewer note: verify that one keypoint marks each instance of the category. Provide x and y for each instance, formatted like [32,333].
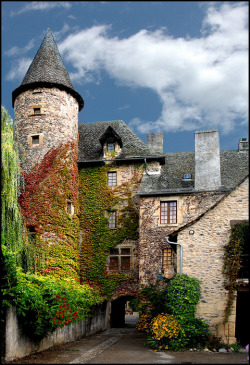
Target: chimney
[243,145]
[155,142]
[207,160]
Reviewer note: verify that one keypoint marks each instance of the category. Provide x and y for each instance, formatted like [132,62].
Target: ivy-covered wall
[96,198]
[49,188]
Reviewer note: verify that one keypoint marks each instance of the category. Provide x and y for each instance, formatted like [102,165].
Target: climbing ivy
[48,187]
[232,262]
[96,199]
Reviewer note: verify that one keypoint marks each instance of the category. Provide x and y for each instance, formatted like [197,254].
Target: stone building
[152,213]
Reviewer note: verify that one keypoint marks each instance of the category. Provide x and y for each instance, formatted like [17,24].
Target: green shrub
[44,304]
[182,296]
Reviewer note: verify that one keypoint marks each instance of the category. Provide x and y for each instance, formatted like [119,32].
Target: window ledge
[168,225]
[36,115]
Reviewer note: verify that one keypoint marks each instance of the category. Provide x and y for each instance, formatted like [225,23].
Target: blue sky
[160,66]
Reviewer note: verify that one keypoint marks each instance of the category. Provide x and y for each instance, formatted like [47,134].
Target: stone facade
[153,233]
[49,113]
[203,257]
[202,240]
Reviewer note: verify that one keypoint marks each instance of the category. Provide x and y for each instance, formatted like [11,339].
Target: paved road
[123,346]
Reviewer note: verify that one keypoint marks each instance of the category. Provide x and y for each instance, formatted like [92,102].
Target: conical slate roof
[47,69]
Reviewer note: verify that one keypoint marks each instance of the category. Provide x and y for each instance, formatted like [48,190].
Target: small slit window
[37,110]
[70,208]
[112,221]
[31,235]
[35,140]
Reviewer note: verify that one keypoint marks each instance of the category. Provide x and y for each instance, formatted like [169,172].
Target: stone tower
[46,105]
[46,130]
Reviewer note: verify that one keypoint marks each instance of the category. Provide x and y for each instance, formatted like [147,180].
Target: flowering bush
[164,325]
[143,323]
[44,304]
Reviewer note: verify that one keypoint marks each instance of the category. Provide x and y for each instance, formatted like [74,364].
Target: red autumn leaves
[65,315]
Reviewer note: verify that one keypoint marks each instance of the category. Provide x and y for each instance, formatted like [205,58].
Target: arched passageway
[120,317]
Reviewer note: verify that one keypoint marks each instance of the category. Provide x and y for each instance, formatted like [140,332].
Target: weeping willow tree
[10,186]
[15,249]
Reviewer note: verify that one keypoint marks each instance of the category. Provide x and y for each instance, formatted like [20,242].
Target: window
[119,259]
[31,234]
[125,262]
[70,207]
[112,221]
[37,110]
[168,212]
[166,257]
[35,139]
[113,263]
[112,180]
[110,147]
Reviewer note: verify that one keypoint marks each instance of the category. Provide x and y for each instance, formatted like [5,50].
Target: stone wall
[153,233]
[56,123]
[202,243]
[203,257]
[17,345]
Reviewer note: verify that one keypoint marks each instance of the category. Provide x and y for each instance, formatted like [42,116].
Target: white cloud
[41,6]
[17,51]
[18,69]
[200,81]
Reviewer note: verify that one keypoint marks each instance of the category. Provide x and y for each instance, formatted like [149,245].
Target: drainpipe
[181,250]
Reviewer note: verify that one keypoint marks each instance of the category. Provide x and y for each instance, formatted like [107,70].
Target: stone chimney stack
[207,160]
[155,142]
[243,145]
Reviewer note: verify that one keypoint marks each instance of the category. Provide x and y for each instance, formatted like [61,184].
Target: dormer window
[110,147]
[111,143]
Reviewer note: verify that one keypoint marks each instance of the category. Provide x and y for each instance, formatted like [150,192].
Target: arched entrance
[118,313]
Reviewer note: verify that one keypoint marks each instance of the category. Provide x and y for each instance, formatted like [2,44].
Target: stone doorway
[120,316]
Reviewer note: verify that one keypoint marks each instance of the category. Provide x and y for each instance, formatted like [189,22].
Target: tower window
[31,234]
[37,110]
[35,139]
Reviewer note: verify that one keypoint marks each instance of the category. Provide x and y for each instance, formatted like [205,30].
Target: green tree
[10,186]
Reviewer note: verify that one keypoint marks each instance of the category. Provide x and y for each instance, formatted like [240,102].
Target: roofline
[189,224]
[181,191]
[126,159]
[37,84]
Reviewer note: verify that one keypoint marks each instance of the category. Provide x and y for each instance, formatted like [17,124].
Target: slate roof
[47,69]
[90,148]
[234,168]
